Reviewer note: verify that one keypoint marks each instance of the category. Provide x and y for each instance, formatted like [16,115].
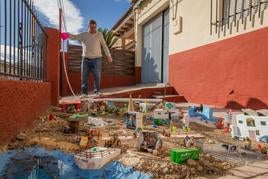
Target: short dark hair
[92,22]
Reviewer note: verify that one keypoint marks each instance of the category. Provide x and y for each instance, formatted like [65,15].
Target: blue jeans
[87,66]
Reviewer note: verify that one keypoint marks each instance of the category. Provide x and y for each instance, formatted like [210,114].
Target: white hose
[65,70]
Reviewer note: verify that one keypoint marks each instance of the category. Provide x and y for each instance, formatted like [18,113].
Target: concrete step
[171,98]
[141,93]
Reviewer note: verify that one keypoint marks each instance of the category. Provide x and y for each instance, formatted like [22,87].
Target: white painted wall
[195,15]
[196,26]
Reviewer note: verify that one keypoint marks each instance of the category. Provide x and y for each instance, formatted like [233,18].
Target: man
[92,41]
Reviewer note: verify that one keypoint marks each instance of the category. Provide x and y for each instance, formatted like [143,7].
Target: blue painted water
[38,163]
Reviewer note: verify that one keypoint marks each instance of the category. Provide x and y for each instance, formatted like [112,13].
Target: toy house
[161,116]
[164,114]
[252,126]
[206,113]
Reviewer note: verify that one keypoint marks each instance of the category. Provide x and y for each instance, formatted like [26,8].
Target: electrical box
[177,25]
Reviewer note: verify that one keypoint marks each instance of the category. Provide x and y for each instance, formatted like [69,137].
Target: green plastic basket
[181,155]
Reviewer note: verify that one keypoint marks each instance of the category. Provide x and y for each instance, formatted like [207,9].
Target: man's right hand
[109,59]
[65,35]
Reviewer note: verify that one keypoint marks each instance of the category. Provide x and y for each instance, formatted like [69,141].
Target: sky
[78,12]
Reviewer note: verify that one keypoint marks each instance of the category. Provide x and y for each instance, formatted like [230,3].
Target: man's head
[92,26]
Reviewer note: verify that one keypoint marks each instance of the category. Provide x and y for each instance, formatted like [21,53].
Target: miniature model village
[164,139]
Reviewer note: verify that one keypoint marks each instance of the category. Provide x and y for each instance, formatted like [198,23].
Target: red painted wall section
[138,74]
[107,80]
[231,72]
[21,102]
[53,63]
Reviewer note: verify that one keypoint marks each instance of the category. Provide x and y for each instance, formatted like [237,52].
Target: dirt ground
[49,134]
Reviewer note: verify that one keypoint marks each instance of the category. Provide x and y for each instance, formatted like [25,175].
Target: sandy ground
[49,134]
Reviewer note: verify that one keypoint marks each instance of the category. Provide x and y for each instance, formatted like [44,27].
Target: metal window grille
[229,14]
[23,41]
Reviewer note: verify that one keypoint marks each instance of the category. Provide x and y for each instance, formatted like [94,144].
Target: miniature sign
[134,120]
[170,106]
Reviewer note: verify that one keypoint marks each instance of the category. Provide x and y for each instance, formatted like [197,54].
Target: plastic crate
[181,155]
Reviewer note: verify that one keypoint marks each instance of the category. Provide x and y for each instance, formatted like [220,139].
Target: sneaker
[98,93]
[82,96]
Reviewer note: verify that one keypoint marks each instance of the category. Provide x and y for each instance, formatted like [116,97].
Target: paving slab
[255,170]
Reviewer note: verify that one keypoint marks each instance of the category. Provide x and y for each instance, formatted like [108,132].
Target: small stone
[21,136]
[183,168]
[211,141]
[164,165]
[12,145]
[224,163]
[199,168]
[227,166]
[165,170]
[193,171]
[191,162]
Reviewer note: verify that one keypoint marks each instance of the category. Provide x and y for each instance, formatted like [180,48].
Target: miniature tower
[130,104]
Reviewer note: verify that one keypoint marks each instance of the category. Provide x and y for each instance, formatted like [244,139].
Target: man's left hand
[110,60]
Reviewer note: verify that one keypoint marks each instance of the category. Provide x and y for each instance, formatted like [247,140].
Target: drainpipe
[135,43]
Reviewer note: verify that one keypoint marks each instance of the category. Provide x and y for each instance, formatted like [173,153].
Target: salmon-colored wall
[21,102]
[231,72]
[107,80]
[53,63]
[138,74]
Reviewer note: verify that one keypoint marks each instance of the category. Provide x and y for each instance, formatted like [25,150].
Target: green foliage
[109,37]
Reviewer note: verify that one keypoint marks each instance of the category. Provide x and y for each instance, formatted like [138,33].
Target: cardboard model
[253,127]
[205,114]
[134,120]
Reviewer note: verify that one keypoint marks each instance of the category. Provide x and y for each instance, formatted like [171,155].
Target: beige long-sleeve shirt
[91,44]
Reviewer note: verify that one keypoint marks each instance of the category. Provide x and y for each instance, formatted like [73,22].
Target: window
[231,12]
[250,122]
[240,122]
[263,123]
[257,132]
